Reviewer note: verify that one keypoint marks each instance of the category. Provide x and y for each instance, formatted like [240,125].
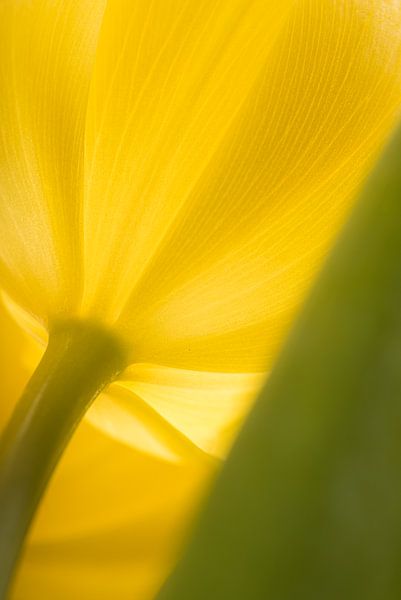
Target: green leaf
[308,506]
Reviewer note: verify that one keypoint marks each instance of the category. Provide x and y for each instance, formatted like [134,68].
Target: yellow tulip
[103,529]
[178,170]
[175,171]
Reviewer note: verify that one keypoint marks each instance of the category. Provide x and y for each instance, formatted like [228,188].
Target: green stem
[81,358]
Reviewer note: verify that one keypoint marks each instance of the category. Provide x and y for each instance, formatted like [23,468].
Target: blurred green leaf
[308,505]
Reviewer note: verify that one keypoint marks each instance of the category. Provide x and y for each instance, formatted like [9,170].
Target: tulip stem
[81,358]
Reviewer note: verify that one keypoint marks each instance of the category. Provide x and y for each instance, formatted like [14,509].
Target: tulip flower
[172,174]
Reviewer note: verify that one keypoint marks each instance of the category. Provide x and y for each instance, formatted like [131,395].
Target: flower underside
[176,171]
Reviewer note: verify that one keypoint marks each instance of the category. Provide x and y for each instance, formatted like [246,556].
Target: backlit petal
[180,409]
[46,54]
[169,79]
[225,281]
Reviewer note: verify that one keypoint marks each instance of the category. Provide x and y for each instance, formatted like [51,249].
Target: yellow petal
[205,407]
[104,529]
[126,417]
[169,79]
[101,485]
[46,54]
[225,281]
